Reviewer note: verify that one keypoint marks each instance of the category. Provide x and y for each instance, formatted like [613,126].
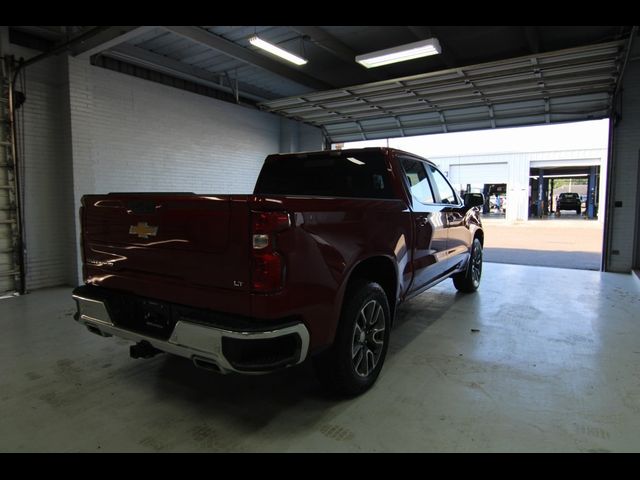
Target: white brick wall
[129,134]
[133,135]
[624,221]
[92,130]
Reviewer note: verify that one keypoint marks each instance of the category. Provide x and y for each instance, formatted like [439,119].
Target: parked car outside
[569,201]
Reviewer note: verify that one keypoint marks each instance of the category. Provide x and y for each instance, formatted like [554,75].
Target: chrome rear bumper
[202,344]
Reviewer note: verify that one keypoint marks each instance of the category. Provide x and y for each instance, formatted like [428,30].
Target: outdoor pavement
[569,241]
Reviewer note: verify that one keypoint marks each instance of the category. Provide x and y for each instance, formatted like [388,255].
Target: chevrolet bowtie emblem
[143,230]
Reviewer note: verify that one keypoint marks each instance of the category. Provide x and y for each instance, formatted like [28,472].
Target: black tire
[578,211]
[341,370]
[469,280]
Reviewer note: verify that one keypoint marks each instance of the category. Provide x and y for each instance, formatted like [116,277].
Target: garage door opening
[564,192]
[544,187]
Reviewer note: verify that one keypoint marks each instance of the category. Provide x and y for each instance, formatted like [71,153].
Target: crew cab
[313,264]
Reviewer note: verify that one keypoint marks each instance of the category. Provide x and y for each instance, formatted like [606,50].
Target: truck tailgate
[198,240]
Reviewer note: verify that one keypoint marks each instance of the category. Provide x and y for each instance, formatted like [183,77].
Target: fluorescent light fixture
[271,48]
[402,53]
[355,160]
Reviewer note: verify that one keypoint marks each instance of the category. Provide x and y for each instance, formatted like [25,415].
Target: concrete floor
[540,359]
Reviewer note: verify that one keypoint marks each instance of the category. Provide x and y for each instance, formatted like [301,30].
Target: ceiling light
[402,53]
[269,47]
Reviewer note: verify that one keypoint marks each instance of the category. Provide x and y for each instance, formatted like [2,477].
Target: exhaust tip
[206,364]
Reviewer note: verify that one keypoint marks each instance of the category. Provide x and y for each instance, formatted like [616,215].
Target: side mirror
[473,199]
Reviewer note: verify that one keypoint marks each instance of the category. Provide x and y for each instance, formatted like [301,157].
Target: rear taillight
[267,264]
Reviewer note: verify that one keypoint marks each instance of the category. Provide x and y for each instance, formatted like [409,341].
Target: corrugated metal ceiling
[175,47]
[485,77]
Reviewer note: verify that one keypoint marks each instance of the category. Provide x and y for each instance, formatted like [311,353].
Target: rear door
[429,223]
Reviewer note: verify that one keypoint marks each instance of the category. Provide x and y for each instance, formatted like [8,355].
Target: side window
[447,194]
[418,180]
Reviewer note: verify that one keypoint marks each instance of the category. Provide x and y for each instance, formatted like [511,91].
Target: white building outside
[514,169]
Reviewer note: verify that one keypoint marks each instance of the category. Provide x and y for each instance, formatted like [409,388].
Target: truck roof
[350,151]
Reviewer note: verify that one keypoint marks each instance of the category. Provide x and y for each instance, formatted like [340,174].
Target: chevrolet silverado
[313,264]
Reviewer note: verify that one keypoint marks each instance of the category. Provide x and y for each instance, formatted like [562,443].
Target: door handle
[422,221]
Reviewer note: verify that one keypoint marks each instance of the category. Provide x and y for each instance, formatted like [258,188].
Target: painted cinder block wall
[92,130]
[132,135]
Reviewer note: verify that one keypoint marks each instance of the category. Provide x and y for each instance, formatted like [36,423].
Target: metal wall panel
[479,173]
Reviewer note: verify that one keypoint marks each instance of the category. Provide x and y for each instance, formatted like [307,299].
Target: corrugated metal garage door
[479,173]
[9,270]
[562,86]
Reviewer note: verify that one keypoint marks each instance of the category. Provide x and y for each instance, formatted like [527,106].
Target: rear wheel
[352,365]
[469,280]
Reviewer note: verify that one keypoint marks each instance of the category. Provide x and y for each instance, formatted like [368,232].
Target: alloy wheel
[368,338]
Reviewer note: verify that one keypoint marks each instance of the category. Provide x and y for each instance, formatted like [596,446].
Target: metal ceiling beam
[331,44]
[208,39]
[64,46]
[153,61]
[106,39]
[328,42]
[50,33]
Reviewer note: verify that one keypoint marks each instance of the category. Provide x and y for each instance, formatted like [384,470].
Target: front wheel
[469,280]
[352,365]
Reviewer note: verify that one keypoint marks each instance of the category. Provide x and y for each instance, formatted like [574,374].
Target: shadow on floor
[178,376]
[544,258]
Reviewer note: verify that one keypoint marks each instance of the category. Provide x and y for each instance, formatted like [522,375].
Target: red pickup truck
[313,264]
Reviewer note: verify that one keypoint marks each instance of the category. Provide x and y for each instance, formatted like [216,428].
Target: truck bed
[194,250]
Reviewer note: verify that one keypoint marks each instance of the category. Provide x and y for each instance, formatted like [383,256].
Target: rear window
[345,174]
